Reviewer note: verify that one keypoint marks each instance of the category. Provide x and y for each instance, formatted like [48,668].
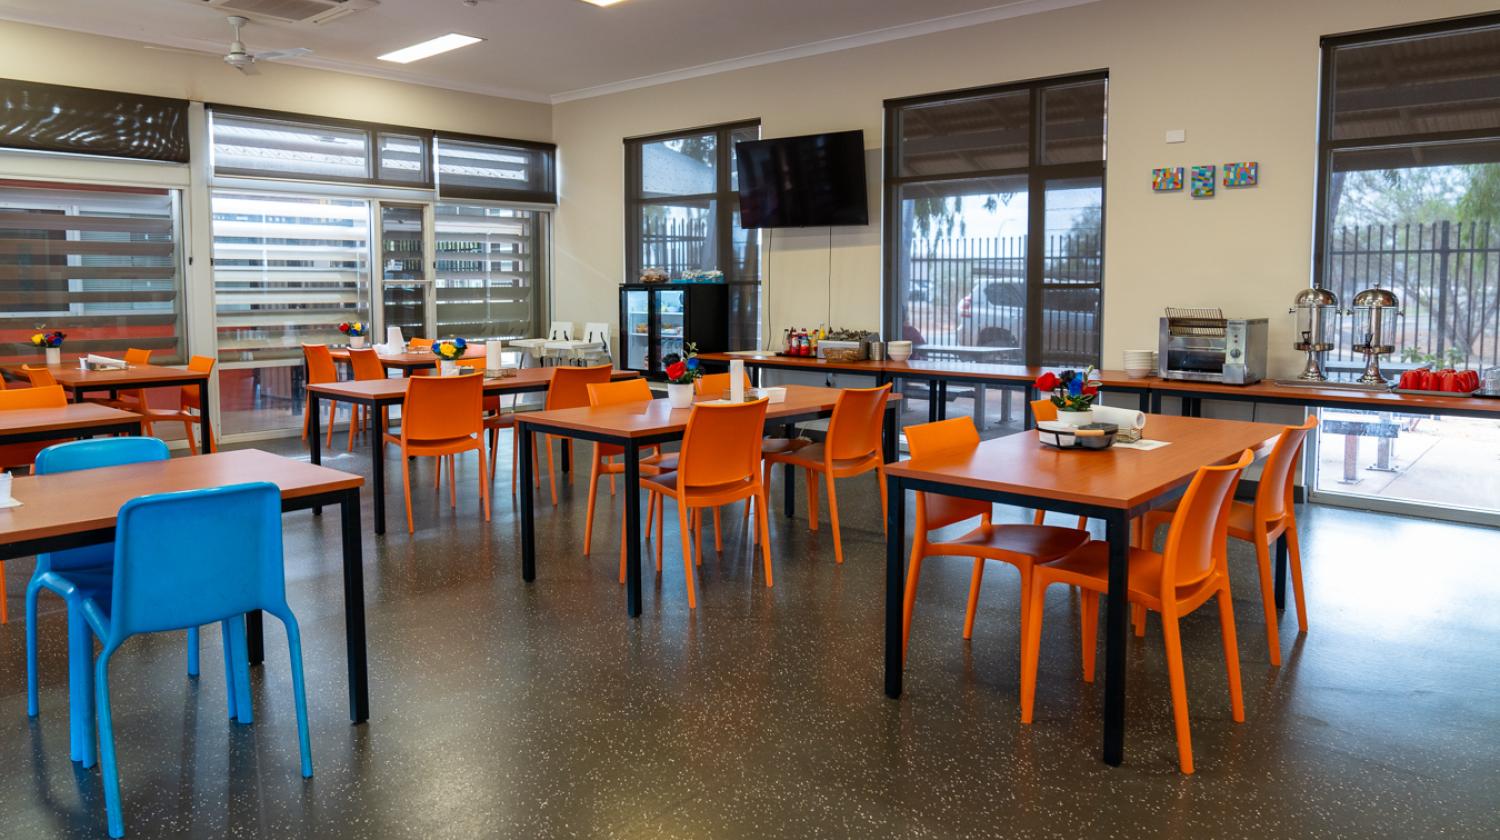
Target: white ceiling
[545,50]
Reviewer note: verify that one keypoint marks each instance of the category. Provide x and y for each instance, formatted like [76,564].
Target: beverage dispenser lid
[1315,297]
[1382,298]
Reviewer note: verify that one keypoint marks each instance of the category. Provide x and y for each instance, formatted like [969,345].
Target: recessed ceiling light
[428,49]
[604,2]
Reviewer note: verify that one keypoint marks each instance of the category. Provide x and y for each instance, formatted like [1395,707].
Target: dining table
[74,509]
[74,420]
[1115,485]
[379,394]
[409,360]
[635,426]
[80,382]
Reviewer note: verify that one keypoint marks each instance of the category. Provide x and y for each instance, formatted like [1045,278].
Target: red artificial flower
[676,370]
[1090,390]
[1047,381]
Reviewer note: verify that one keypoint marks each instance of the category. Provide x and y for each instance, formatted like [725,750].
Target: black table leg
[1143,402]
[377,466]
[888,434]
[789,475]
[943,400]
[895,582]
[1281,572]
[1116,633]
[524,447]
[206,416]
[1031,393]
[755,376]
[566,445]
[1155,402]
[932,401]
[354,609]
[632,493]
[255,640]
[314,435]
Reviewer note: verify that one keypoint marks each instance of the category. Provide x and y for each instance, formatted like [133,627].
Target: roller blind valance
[58,118]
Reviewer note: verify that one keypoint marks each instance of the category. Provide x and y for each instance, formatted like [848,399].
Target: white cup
[4,488]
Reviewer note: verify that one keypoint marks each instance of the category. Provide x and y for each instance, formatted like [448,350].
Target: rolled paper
[106,361]
[1123,417]
[393,337]
[737,381]
[494,354]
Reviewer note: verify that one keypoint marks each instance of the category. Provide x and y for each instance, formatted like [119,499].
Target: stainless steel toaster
[1202,345]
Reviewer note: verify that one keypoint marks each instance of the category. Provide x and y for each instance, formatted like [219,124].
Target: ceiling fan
[240,58]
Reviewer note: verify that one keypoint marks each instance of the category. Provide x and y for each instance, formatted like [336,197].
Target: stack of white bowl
[1140,364]
[898,351]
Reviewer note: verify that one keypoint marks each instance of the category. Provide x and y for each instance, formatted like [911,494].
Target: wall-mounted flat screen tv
[812,181]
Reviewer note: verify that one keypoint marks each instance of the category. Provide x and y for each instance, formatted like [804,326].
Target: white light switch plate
[1176,135]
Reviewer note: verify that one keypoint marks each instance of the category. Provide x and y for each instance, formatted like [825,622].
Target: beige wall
[1240,77]
[59,57]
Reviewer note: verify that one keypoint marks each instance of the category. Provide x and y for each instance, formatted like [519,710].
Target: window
[99,263]
[259,146]
[488,265]
[682,214]
[287,271]
[995,221]
[1409,200]
[495,171]
[57,118]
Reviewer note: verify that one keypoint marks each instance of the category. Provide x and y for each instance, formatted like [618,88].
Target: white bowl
[1139,373]
[898,355]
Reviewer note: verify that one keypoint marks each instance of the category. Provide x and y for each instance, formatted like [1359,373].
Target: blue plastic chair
[187,559]
[91,566]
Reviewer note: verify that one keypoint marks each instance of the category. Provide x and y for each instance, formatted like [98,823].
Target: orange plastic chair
[1021,546]
[320,369]
[133,400]
[569,388]
[852,448]
[718,464]
[442,416]
[189,411]
[1261,523]
[39,375]
[715,384]
[1192,570]
[414,345]
[14,455]
[364,364]
[653,462]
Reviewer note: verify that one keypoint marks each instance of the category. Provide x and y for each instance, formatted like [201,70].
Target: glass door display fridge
[660,319]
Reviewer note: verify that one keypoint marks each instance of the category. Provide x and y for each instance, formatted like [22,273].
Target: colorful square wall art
[1245,174]
[1168,179]
[1203,181]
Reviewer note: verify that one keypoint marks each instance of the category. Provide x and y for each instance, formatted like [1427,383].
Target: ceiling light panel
[428,49]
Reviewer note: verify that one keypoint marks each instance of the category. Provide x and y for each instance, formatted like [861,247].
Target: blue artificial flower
[460,343]
[692,363]
[1075,386]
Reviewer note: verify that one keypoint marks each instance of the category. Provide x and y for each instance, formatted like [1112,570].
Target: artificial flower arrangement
[1071,390]
[50,339]
[354,328]
[450,350]
[683,369]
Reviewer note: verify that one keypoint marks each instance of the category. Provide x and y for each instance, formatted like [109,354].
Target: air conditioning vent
[291,11]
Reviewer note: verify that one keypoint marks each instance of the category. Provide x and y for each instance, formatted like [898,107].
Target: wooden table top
[417,359]
[1111,478]
[79,416]
[73,377]
[921,368]
[533,379]
[1354,398]
[643,419]
[90,500]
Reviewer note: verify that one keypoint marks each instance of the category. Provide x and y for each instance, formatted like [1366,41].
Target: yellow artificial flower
[38,339]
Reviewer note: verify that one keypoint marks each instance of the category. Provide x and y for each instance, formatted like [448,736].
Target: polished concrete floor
[501,709]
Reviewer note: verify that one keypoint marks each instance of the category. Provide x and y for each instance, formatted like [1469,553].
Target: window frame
[1038,174]
[1328,147]
[724,192]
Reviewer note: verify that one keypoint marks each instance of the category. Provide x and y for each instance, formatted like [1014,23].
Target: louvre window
[487,271]
[99,263]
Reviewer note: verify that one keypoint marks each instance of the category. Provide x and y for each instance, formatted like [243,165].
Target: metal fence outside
[1446,275]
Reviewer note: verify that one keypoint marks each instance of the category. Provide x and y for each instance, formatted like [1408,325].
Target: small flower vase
[680,394]
[357,342]
[54,355]
[447,367]
[1075,418]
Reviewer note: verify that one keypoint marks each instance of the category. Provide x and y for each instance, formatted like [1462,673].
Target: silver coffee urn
[1314,310]
[1375,312]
